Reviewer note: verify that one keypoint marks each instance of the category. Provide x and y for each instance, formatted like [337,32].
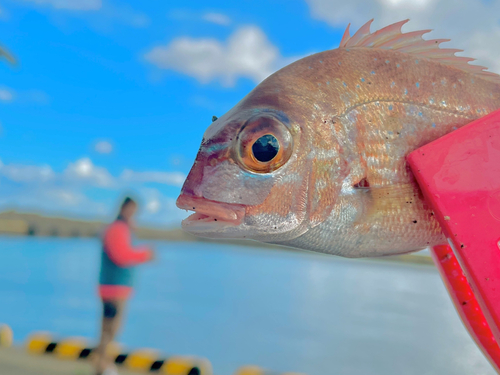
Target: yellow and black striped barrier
[70,348]
[148,360]
[255,370]
[141,360]
[6,336]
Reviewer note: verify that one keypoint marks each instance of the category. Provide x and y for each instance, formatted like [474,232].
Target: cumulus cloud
[217,18]
[26,173]
[473,25]
[65,196]
[152,199]
[103,147]
[159,209]
[166,178]
[247,53]
[80,5]
[84,170]
[153,206]
[52,200]
[41,188]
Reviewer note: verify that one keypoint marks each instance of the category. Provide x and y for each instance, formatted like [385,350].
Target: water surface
[286,311]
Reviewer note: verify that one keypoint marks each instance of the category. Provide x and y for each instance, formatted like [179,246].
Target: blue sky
[114,96]
[84,80]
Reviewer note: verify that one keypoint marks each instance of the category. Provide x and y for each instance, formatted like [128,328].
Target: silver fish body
[340,124]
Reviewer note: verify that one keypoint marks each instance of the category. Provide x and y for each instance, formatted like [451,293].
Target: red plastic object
[465,302]
[459,175]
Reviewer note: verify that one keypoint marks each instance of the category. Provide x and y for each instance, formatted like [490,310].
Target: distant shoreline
[36,225]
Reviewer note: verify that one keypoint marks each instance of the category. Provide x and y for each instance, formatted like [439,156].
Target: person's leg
[111,323]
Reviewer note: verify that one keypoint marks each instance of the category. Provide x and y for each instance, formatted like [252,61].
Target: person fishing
[118,262]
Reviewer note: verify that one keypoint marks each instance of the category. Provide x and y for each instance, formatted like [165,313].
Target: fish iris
[265,148]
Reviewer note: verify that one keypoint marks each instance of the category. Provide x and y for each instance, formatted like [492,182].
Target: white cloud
[247,53]
[167,178]
[52,199]
[480,47]
[152,200]
[153,206]
[473,25]
[65,196]
[6,94]
[84,170]
[26,173]
[31,187]
[217,18]
[103,147]
[82,5]
[158,208]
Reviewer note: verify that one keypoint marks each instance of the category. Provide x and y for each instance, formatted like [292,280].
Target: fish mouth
[209,215]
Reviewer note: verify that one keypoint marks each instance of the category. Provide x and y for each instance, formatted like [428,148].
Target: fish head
[264,171]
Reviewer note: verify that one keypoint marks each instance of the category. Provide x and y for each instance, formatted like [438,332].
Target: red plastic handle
[459,175]
[465,302]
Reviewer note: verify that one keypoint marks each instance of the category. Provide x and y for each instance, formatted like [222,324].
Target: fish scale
[344,121]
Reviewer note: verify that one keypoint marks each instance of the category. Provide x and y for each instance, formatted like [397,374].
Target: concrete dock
[15,361]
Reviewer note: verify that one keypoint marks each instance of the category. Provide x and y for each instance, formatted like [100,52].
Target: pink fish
[314,156]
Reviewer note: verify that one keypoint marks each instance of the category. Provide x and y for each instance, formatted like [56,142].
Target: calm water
[286,311]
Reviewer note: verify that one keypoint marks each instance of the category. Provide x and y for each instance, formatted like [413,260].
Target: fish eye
[265,148]
[263,145]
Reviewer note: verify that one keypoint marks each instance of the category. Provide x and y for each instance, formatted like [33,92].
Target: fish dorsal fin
[391,37]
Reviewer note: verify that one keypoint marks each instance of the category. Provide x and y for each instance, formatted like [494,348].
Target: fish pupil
[265,148]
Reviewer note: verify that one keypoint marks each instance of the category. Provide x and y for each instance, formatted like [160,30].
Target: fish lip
[209,213]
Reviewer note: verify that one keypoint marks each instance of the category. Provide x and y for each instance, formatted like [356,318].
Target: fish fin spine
[391,37]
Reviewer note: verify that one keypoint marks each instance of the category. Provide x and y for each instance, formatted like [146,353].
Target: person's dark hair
[127,201]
